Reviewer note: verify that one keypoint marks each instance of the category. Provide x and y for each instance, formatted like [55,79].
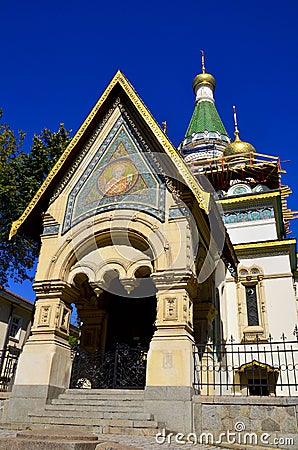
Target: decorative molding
[52,316]
[53,289]
[44,316]
[170,308]
[176,279]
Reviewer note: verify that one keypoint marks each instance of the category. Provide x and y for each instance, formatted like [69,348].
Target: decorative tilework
[118,177]
[248,216]
[52,229]
[178,212]
[205,118]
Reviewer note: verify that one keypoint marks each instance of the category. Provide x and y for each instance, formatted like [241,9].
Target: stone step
[133,431]
[95,412]
[110,424]
[103,408]
[100,410]
[53,439]
[99,429]
[34,444]
[108,403]
[102,398]
[108,392]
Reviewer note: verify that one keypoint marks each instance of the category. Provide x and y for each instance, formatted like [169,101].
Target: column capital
[176,279]
[52,289]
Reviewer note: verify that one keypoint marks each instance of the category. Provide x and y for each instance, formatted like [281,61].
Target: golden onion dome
[239,147]
[203,78]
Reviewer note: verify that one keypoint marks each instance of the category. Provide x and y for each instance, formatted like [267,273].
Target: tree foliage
[21,174]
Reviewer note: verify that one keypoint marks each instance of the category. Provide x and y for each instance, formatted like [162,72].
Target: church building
[179,265]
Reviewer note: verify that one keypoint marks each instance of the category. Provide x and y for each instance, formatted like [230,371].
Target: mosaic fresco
[118,177]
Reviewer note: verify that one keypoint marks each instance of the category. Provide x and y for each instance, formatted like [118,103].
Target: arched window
[252,305]
[252,313]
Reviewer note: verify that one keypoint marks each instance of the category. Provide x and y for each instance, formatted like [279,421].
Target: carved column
[45,364]
[170,357]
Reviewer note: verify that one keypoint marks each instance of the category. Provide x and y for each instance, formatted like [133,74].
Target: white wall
[280,300]
[262,230]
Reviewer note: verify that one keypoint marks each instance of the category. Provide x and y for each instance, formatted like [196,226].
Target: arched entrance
[117,326]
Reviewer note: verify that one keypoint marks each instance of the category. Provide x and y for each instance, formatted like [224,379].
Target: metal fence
[8,365]
[124,367]
[247,368]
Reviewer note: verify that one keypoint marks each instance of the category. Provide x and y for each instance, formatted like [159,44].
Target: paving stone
[50,439]
[115,446]
[12,443]
[126,442]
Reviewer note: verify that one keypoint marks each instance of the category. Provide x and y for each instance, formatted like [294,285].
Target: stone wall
[267,421]
[4,399]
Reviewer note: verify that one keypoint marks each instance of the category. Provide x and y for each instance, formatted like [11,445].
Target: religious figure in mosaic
[117,178]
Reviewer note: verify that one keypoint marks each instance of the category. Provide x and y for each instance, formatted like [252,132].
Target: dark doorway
[130,317]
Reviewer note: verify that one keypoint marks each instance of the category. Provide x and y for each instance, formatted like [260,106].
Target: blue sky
[57,58]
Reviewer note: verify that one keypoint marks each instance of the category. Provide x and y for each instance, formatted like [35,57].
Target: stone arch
[141,235]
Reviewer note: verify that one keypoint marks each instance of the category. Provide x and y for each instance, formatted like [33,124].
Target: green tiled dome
[205,117]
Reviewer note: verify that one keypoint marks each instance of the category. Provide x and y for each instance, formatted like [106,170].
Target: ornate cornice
[49,289]
[249,198]
[175,279]
[280,247]
[260,245]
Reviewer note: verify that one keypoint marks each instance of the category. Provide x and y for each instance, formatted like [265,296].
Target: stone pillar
[93,314]
[44,367]
[169,381]
[204,314]
[94,329]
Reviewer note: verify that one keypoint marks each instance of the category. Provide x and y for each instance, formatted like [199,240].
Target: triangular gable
[42,196]
[119,176]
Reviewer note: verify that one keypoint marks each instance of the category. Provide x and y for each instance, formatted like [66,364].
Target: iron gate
[8,363]
[123,368]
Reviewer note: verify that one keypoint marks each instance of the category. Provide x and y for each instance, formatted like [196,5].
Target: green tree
[21,174]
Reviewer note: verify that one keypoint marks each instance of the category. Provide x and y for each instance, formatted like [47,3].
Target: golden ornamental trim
[264,245]
[201,196]
[249,198]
